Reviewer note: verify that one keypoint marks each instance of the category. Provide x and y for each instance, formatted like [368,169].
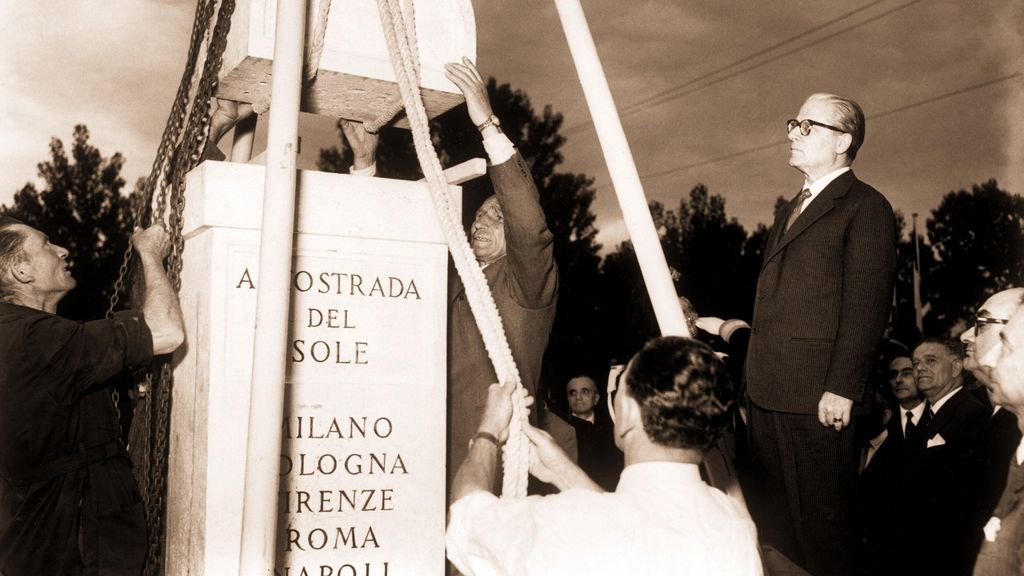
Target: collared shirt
[590,418]
[661,519]
[938,404]
[818,185]
[917,411]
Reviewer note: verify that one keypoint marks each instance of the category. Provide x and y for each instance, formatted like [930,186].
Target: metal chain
[168,142]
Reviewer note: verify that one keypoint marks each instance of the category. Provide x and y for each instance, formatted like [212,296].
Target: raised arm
[160,304]
[530,245]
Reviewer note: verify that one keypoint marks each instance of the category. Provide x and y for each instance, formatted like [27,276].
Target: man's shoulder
[861,191]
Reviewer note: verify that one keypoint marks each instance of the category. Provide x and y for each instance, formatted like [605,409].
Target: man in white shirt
[671,406]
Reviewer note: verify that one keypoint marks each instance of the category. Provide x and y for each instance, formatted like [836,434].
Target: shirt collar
[938,404]
[818,185]
[1020,453]
[917,411]
[638,476]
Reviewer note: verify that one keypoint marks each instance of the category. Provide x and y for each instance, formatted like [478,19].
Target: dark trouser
[803,492]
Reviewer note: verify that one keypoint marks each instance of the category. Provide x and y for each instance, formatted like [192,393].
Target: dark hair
[954,347]
[850,118]
[683,390]
[11,243]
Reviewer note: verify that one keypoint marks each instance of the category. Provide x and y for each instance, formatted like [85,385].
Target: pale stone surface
[362,468]
[356,79]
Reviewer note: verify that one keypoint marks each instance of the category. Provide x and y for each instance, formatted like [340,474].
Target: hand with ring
[834,411]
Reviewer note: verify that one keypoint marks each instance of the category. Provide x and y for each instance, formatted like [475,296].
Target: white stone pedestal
[362,465]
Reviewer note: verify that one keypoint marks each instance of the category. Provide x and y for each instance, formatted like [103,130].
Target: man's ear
[21,272]
[843,143]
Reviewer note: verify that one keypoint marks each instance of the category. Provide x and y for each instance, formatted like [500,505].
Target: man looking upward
[822,301]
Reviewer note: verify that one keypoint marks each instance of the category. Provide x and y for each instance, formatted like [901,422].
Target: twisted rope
[481,302]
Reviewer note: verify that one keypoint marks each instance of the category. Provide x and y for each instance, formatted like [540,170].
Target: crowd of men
[840,476]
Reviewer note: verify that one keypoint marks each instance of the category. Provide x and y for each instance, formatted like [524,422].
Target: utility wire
[898,109]
[689,87]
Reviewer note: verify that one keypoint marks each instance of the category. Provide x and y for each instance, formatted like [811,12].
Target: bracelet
[485,436]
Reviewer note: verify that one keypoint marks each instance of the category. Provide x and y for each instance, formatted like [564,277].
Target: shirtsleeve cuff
[460,526]
[499,148]
[370,170]
[138,338]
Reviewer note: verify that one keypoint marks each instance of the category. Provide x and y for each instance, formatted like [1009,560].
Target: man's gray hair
[12,243]
[849,118]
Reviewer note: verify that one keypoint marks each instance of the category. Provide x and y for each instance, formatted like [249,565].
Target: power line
[688,87]
[896,110]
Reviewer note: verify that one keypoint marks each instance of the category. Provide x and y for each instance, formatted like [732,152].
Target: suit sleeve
[529,243]
[869,271]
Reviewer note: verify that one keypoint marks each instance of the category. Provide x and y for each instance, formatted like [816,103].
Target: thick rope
[403,60]
[395,106]
[316,48]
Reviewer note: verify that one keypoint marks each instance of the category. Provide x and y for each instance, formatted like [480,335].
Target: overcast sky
[704,88]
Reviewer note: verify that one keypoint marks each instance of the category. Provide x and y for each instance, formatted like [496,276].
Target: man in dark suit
[822,301]
[883,470]
[595,437]
[940,488]
[1002,551]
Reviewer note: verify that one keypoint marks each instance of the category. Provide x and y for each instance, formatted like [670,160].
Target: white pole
[266,404]
[625,179]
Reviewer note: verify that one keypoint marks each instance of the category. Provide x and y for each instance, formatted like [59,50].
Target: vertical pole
[625,179]
[266,404]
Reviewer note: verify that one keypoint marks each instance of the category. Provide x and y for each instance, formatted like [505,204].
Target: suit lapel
[818,207]
[945,414]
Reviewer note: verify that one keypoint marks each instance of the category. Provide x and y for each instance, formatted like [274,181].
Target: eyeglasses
[805,126]
[980,321]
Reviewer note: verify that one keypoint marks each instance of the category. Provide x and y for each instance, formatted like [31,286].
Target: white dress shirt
[661,519]
[818,185]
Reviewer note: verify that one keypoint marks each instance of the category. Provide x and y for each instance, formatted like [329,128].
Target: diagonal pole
[269,360]
[625,179]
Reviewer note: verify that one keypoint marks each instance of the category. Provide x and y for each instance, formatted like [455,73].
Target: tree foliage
[81,208]
[977,242]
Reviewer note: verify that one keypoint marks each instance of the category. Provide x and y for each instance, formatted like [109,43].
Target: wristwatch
[492,120]
[485,436]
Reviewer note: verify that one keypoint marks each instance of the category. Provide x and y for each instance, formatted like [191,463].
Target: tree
[718,265]
[977,240]
[81,208]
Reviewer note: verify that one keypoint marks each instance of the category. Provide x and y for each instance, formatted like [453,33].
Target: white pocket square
[936,440]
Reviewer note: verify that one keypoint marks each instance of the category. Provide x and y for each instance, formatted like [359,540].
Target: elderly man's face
[935,370]
[45,266]
[816,153]
[582,394]
[982,338]
[901,379]
[1009,371]
[488,232]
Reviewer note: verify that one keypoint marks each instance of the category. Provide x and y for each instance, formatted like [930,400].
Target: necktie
[908,430]
[797,208]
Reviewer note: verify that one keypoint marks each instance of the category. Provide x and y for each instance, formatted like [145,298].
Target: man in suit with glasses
[823,298]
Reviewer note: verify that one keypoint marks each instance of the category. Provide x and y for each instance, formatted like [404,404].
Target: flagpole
[918,314]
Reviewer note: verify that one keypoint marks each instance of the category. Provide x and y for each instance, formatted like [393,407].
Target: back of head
[850,118]
[683,391]
[11,242]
